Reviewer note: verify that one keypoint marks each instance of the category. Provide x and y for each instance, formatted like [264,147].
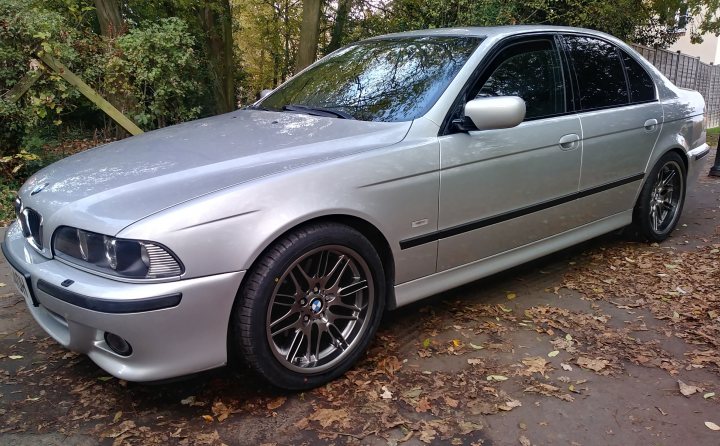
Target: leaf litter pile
[436,381]
[680,288]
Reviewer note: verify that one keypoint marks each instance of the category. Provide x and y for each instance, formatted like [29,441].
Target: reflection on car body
[388,171]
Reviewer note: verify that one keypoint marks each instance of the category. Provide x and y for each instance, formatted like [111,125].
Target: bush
[156,64]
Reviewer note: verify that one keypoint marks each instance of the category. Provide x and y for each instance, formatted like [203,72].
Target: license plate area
[23,284]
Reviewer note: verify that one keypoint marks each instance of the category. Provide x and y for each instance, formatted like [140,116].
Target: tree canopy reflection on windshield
[378,80]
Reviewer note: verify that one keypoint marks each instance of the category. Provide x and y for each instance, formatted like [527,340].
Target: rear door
[500,189]
[621,119]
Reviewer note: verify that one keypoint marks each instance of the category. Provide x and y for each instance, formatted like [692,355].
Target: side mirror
[496,112]
[264,93]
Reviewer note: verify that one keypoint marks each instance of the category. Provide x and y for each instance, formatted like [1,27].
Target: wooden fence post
[91,94]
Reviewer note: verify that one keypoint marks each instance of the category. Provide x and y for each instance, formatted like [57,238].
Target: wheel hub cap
[316,305]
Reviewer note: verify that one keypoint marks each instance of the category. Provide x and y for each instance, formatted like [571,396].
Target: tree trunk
[216,17]
[110,18]
[343,11]
[309,34]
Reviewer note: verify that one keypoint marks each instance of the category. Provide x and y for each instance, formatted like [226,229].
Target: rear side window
[532,71]
[599,72]
[642,87]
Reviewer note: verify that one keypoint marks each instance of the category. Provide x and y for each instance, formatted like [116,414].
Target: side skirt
[417,289]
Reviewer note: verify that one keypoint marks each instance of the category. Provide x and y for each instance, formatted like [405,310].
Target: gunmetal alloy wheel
[666,196]
[661,199]
[309,307]
[318,311]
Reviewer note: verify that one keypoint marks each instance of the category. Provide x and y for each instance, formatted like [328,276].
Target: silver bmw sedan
[388,171]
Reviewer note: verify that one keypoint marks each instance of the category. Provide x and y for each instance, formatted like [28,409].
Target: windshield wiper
[316,111]
[256,107]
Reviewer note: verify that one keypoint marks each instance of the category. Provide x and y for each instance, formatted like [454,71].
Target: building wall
[708,50]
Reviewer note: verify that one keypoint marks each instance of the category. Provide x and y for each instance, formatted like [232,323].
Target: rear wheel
[310,306]
[661,199]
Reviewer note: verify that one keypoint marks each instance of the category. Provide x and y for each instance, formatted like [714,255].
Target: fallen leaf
[276,403]
[566,367]
[190,401]
[451,402]
[104,378]
[221,411]
[426,343]
[386,394]
[427,435]
[591,364]
[468,426]
[120,429]
[535,364]
[686,389]
[496,377]
[475,361]
[709,395]
[117,416]
[553,353]
[476,347]
[15,356]
[412,393]
[208,418]
[524,440]
[510,296]
[327,417]
[456,342]
[423,405]
[510,405]
[712,426]
[504,308]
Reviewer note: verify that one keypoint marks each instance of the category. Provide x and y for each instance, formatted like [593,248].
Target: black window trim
[576,90]
[447,127]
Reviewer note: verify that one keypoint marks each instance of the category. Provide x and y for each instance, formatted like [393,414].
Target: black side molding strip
[477,224]
[110,306]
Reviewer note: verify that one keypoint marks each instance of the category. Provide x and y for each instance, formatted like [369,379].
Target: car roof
[490,31]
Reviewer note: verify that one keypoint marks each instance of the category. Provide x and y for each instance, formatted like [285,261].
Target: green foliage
[156,63]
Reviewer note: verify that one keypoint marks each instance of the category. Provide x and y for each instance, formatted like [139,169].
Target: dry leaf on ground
[592,364]
[687,389]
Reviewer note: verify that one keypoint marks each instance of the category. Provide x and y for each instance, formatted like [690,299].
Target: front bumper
[174,328]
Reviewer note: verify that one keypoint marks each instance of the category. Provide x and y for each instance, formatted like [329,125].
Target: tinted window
[599,72]
[642,87]
[379,80]
[532,71]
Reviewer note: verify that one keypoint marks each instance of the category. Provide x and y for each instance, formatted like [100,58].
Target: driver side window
[532,71]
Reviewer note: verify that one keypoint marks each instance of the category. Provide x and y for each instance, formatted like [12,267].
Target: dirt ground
[584,347]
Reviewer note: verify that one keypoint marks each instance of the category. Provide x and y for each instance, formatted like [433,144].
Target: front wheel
[310,306]
[661,199]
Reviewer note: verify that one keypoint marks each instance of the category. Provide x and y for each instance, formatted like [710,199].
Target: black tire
[656,199]
[261,304]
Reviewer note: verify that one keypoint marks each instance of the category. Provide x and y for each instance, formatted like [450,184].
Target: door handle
[650,124]
[569,142]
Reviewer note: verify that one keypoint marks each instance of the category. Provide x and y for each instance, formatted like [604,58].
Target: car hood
[109,187]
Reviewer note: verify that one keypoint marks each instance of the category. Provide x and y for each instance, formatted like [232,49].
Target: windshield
[378,80]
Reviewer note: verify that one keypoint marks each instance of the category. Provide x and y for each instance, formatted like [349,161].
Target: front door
[501,189]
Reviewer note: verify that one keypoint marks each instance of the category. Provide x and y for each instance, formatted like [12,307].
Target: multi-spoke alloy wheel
[661,199]
[310,306]
[666,194]
[318,310]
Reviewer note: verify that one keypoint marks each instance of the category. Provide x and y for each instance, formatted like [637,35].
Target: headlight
[133,259]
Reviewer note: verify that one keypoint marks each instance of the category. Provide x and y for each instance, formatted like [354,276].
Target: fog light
[118,344]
